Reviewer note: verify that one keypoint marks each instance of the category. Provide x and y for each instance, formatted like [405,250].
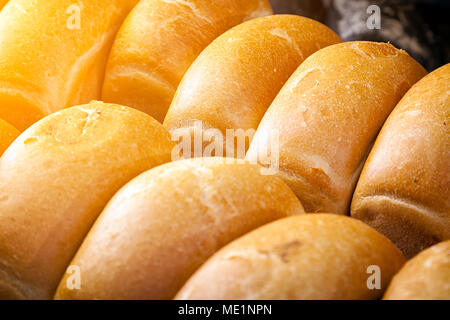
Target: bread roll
[54,181]
[328,114]
[7,135]
[234,80]
[158,42]
[425,277]
[53,54]
[404,189]
[164,224]
[306,257]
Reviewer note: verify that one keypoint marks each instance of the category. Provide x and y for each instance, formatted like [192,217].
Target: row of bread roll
[163,225]
[158,42]
[319,256]
[404,189]
[54,53]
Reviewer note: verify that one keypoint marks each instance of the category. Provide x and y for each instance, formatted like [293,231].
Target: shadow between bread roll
[159,41]
[233,81]
[404,188]
[308,257]
[53,54]
[327,116]
[164,224]
[56,178]
[7,135]
[3,3]
[424,277]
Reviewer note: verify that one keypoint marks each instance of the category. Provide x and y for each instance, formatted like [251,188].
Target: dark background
[420,27]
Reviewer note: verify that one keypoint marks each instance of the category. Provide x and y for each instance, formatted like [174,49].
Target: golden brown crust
[327,116]
[404,188]
[315,256]
[7,135]
[234,80]
[47,63]
[158,42]
[425,277]
[165,223]
[55,180]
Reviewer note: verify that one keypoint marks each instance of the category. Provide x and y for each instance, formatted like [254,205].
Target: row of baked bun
[163,225]
[54,53]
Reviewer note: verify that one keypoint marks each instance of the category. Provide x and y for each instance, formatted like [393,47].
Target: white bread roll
[327,116]
[308,257]
[234,80]
[425,277]
[53,54]
[56,178]
[165,223]
[404,189]
[159,41]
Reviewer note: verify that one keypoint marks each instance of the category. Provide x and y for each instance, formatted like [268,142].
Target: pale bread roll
[55,180]
[165,223]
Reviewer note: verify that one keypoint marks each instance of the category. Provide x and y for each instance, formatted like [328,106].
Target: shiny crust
[314,256]
[46,66]
[159,41]
[165,223]
[327,116]
[234,80]
[404,188]
[55,180]
[425,277]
